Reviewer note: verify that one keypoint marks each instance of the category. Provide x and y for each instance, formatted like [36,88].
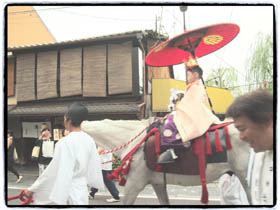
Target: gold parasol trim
[212,39]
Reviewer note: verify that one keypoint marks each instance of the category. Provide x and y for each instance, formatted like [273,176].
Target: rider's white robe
[75,166]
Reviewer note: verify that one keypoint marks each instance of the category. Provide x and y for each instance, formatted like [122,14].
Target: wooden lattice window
[71,72]
[25,77]
[94,84]
[120,68]
[47,75]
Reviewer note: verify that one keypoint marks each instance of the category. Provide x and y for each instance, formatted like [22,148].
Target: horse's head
[175,97]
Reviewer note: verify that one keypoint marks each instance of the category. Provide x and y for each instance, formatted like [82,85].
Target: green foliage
[224,78]
[116,164]
[260,64]
[259,70]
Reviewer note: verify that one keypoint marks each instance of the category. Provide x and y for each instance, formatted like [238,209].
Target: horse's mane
[113,133]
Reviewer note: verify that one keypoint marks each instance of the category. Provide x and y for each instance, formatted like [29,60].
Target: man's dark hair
[196,69]
[77,113]
[257,106]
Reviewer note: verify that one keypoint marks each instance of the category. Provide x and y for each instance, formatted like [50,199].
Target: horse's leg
[161,193]
[137,179]
[238,160]
[131,190]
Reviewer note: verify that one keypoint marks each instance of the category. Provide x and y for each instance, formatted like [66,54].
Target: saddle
[186,163]
[216,140]
[208,148]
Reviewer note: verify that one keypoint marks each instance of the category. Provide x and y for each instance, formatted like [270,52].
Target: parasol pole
[209,100]
[183,10]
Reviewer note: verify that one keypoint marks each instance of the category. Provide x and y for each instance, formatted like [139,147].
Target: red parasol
[192,44]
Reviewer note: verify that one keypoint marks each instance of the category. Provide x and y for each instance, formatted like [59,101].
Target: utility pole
[184,9]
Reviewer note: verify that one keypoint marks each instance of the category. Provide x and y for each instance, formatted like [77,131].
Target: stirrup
[168,156]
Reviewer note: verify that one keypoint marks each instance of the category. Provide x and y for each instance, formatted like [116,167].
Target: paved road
[178,195]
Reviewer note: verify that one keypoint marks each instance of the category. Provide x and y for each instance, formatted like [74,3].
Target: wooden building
[107,74]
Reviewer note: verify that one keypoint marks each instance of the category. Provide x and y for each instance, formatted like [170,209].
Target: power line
[34,10]
[79,14]
[230,65]
[174,17]
[224,50]
[249,84]
[109,18]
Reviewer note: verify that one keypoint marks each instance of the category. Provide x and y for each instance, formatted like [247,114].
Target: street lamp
[184,9]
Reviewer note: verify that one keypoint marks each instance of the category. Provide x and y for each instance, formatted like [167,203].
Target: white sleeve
[55,182]
[95,178]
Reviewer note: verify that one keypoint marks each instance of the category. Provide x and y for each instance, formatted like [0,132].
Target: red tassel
[122,181]
[228,139]
[126,170]
[157,143]
[197,146]
[208,145]
[219,147]
[159,168]
[115,173]
[110,176]
[199,151]
[204,196]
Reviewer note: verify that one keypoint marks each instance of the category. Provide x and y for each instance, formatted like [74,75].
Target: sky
[68,22]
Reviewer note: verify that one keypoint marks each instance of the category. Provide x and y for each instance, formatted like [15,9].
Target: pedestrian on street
[106,160]
[253,117]
[11,151]
[46,145]
[75,166]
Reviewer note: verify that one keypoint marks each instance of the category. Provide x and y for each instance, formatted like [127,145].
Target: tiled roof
[61,108]
[92,39]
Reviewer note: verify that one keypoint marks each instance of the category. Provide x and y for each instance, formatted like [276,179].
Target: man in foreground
[253,117]
[75,166]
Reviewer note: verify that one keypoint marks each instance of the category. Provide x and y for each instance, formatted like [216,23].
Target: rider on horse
[192,117]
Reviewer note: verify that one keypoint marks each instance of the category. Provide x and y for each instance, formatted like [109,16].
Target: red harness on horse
[199,150]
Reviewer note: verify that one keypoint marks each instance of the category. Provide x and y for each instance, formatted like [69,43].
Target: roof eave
[134,34]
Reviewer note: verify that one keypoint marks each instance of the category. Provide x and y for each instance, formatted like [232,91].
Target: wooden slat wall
[120,68]
[11,77]
[71,72]
[94,84]
[158,72]
[46,75]
[25,77]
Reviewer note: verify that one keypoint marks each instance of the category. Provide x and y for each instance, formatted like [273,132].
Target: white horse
[112,134]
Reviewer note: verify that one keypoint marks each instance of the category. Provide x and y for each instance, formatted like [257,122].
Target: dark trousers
[12,169]
[110,185]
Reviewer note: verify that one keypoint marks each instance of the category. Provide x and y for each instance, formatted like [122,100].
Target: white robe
[75,166]
[231,191]
[261,180]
